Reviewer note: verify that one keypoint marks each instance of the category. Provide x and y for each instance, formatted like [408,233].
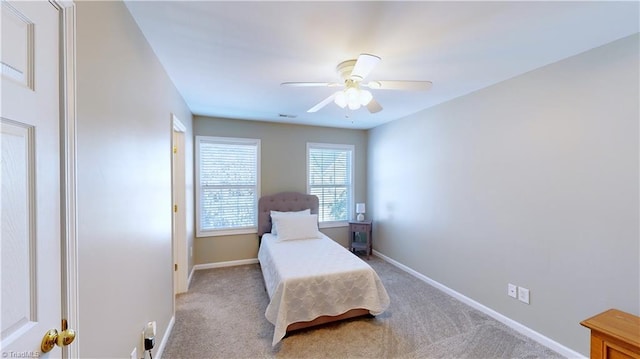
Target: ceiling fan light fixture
[352,94]
[352,97]
[353,72]
[365,97]
[340,99]
[354,105]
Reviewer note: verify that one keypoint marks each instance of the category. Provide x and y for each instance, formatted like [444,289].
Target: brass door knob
[66,337]
[49,340]
[52,338]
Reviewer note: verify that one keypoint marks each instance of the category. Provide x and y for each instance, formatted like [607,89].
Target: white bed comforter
[308,278]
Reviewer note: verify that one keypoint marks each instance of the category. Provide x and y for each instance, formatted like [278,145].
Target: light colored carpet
[222,316]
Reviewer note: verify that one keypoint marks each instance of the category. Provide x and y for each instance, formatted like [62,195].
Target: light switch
[512,290]
[523,295]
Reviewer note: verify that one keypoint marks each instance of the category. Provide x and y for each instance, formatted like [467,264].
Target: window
[330,177]
[227,185]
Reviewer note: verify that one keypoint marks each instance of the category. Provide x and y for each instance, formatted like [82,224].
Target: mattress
[308,278]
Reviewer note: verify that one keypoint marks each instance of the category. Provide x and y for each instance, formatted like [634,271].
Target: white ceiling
[227,59]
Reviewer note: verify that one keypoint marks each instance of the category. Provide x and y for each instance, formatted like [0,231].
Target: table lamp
[360,210]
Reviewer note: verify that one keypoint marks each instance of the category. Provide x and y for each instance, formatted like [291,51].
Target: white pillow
[274,230]
[296,227]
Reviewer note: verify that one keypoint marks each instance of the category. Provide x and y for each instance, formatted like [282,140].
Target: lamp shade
[340,99]
[365,97]
[360,208]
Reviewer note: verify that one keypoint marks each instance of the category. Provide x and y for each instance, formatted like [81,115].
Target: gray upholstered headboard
[283,202]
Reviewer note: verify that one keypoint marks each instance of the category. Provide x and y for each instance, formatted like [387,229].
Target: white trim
[190,277]
[520,328]
[352,170]
[239,262]
[165,338]
[333,224]
[70,289]
[178,197]
[227,232]
[178,126]
[227,140]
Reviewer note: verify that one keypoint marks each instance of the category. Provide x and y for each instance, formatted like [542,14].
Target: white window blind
[227,171]
[330,177]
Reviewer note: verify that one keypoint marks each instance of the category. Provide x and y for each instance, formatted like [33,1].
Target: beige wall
[124,106]
[283,167]
[533,181]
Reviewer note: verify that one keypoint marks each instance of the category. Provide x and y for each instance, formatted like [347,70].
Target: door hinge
[175,149]
[175,208]
[175,267]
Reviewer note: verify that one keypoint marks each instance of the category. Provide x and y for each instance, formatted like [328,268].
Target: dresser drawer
[360,228]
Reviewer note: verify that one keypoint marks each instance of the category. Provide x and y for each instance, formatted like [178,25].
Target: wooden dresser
[614,335]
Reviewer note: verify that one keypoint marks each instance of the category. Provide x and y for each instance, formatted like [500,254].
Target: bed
[310,279]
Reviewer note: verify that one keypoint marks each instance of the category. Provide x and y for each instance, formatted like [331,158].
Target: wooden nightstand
[360,227]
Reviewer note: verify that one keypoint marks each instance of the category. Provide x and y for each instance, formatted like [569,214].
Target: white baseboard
[520,328]
[193,269]
[165,338]
[225,264]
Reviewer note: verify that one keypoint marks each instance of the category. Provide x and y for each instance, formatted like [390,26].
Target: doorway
[178,190]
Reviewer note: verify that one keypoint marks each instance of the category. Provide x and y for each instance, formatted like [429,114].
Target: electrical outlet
[523,295]
[512,290]
[134,353]
[151,328]
[149,336]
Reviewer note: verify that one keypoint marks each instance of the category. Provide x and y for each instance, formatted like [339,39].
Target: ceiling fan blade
[373,106]
[364,65]
[399,85]
[322,104]
[311,84]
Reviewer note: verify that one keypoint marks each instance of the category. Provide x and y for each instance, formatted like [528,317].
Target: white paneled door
[31,201]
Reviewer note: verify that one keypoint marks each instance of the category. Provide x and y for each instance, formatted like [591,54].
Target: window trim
[229,140]
[350,204]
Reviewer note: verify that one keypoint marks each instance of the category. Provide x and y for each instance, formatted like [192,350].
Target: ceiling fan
[353,72]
